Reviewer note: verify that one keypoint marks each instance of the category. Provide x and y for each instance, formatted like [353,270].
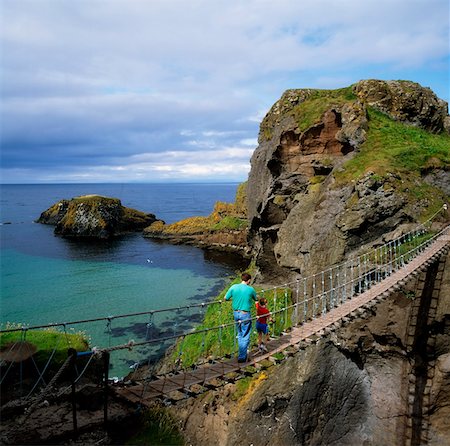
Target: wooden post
[73,354]
[105,387]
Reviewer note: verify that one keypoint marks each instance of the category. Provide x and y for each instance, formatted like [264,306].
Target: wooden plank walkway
[166,385]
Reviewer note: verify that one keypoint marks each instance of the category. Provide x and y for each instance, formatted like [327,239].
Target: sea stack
[94,216]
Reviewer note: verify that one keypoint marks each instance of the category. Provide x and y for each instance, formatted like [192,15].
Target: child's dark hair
[262,301]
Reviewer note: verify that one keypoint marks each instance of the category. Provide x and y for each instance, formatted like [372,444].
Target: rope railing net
[184,327]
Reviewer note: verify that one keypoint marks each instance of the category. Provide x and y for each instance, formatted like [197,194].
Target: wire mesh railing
[310,297]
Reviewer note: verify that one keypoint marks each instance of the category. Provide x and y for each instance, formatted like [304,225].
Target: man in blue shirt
[243,296]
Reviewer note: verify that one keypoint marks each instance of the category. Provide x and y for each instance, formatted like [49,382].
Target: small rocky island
[94,216]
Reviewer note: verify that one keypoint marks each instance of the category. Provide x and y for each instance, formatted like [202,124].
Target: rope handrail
[355,259]
[316,297]
[131,344]
[106,318]
[44,391]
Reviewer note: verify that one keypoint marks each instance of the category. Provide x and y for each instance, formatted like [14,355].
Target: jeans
[243,327]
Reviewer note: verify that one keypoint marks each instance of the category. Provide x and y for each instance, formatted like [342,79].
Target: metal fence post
[106,356]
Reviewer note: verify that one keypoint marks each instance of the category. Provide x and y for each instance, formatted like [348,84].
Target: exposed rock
[51,421]
[439,178]
[302,216]
[355,386]
[405,101]
[352,387]
[340,391]
[94,216]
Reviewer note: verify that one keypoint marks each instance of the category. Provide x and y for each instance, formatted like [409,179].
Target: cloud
[90,86]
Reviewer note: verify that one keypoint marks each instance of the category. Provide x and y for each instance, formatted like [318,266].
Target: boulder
[405,101]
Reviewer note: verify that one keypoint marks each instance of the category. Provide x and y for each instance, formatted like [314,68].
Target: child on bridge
[263,316]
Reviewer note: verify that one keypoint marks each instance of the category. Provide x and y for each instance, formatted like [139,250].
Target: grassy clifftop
[393,146]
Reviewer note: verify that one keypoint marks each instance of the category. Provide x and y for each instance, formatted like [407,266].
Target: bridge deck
[162,386]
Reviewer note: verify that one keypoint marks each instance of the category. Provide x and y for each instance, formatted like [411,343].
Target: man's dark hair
[246,277]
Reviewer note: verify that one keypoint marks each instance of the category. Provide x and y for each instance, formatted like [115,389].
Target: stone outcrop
[305,211]
[94,216]
[382,378]
[405,101]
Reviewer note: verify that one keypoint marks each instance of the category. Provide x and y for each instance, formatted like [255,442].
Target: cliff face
[94,216]
[338,170]
[381,379]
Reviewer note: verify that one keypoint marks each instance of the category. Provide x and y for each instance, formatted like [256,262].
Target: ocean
[49,279]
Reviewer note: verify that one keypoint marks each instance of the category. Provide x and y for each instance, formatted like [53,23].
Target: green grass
[408,246]
[46,341]
[393,147]
[311,111]
[400,154]
[158,428]
[230,223]
[308,112]
[402,250]
[225,217]
[242,387]
[241,199]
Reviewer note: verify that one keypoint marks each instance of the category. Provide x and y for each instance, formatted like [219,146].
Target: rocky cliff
[383,378]
[338,170]
[94,216]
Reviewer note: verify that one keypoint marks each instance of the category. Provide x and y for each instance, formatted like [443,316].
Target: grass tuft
[46,341]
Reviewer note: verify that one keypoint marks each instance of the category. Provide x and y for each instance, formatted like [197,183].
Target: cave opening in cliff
[322,170]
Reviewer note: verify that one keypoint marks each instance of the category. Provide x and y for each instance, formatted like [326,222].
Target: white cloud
[252,142]
[119,78]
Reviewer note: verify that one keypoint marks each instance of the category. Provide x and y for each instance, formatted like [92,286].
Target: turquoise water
[43,290]
[48,279]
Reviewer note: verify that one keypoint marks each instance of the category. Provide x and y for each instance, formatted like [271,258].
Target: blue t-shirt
[242,296]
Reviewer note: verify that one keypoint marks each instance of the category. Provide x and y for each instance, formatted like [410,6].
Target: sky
[174,91]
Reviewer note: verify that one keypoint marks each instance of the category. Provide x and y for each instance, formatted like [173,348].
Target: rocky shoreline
[98,217]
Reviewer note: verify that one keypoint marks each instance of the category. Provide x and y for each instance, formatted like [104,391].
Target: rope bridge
[304,309]
[317,310]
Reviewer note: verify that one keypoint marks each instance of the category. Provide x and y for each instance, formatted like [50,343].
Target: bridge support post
[105,387]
